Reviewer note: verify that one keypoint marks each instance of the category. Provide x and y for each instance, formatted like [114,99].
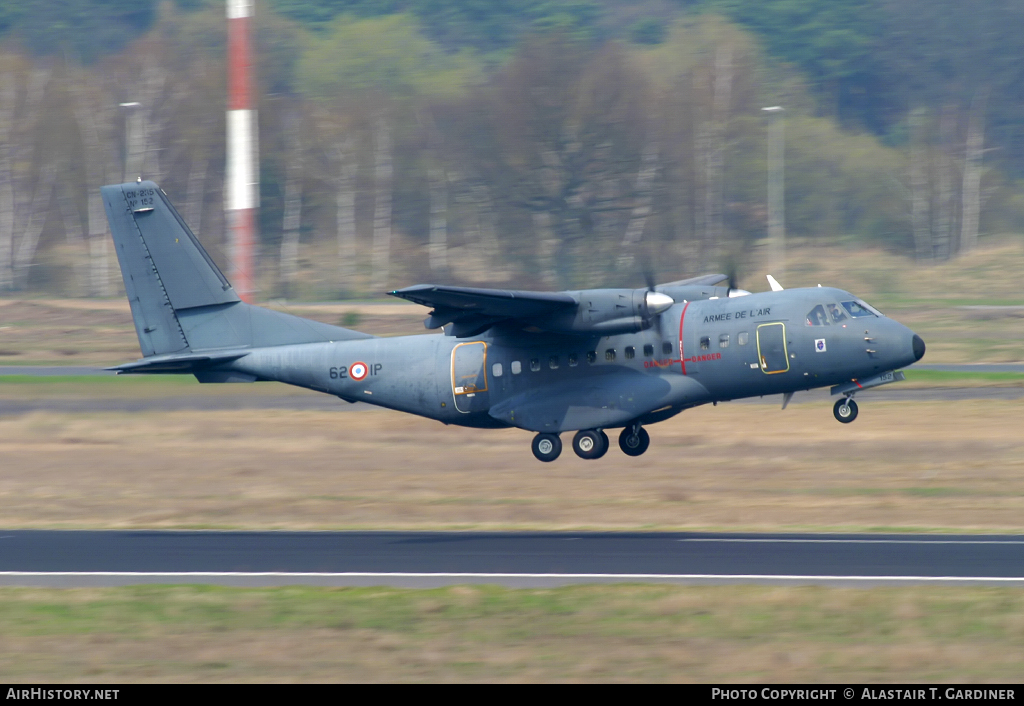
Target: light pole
[776,190]
[132,137]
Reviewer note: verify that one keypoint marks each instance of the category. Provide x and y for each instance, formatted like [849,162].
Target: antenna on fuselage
[774,283]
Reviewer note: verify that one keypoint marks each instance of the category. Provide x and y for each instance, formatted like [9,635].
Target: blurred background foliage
[547,143]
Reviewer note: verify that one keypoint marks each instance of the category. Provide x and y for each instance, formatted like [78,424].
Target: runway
[429,559]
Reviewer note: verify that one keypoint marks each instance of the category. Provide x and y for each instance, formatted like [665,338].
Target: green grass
[99,380]
[947,377]
[598,632]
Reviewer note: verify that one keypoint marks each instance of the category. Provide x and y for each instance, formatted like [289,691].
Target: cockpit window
[817,317]
[836,312]
[859,309]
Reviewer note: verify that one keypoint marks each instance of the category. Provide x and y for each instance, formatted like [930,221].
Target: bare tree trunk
[100,168]
[383,170]
[642,208]
[490,249]
[195,192]
[26,251]
[75,235]
[971,195]
[919,188]
[345,211]
[943,231]
[716,153]
[292,209]
[547,246]
[149,125]
[438,248]
[8,97]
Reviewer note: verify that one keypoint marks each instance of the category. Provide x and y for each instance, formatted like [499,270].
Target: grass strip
[488,633]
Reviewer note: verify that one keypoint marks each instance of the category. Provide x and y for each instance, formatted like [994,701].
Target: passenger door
[771,348]
[469,377]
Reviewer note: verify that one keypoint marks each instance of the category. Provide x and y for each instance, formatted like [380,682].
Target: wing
[472,311]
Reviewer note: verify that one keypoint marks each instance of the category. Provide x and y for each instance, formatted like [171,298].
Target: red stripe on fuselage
[682,317]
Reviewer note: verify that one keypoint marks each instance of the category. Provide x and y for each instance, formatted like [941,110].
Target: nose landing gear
[634,440]
[845,410]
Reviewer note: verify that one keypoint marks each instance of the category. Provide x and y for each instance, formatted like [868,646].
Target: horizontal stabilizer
[177,363]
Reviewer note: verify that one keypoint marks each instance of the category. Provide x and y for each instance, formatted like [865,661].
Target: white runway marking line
[854,541]
[474,575]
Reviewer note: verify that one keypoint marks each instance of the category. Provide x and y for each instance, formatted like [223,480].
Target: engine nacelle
[608,312]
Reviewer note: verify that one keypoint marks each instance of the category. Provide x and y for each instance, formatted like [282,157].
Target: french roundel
[357,371]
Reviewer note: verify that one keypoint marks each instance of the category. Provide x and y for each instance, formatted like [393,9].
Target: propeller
[734,290]
[655,302]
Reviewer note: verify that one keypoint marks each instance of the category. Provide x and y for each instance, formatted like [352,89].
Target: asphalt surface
[424,559]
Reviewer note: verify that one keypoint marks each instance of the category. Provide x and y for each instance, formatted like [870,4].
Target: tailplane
[180,300]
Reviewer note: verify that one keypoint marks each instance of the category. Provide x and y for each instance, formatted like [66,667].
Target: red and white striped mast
[241,193]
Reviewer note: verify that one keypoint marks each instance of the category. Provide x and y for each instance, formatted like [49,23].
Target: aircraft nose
[918,344]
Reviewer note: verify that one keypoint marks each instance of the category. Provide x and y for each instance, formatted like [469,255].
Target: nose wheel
[634,440]
[845,410]
[547,447]
[590,444]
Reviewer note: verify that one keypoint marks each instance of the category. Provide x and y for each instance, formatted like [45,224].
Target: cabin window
[742,338]
[817,317]
[648,350]
[705,342]
[534,364]
[630,352]
[517,367]
[574,360]
[666,348]
[609,354]
[723,341]
[553,362]
[591,357]
[496,370]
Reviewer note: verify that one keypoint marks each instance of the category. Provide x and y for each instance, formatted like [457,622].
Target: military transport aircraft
[582,362]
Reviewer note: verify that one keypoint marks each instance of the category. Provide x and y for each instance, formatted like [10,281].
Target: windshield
[860,308]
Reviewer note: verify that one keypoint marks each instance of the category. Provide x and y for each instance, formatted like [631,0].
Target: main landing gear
[592,444]
[547,447]
[845,410]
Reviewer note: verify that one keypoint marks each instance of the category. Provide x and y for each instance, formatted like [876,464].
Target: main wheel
[634,444]
[605,444]
[546,447]
[589,444]
[845,410]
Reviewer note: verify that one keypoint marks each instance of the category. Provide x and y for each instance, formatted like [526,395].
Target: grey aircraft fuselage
[545,362]
[704,351]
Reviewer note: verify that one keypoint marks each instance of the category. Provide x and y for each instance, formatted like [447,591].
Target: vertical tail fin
[165,268]
[180,300]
